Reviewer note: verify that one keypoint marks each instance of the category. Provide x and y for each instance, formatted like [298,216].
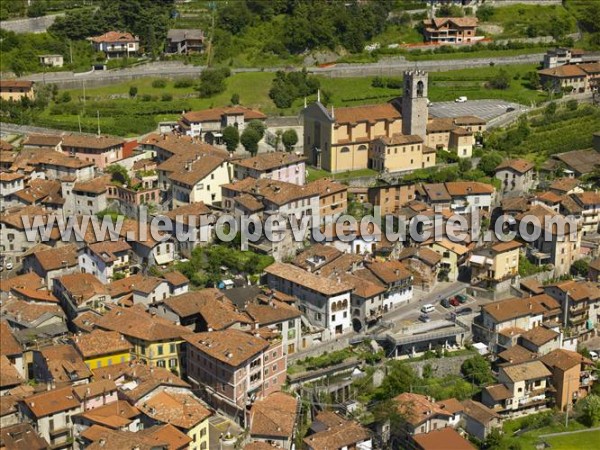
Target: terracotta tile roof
[8,343]
[88,141]
[539,335]
[38,295]
[424,254]
[115,415]
[580,290]
[8,405]
[108,250]
[57,258]
[176,278]
[532,285]
[519,204]
[389,272]
[564,359]
[30,280]
[444,439]
[454,247]
[363,288]
[27,312]
[417,408]
[587,198]
[517,354]
[63,362]
[167,433]
[440,124]
[21,436]
[564,185]
[137,323]
[182,410]
[94,389]
[185,212]
[549,220]
[549,197]
[316,255]
[451,405]
[401,139]
[460,131]
[274,191]
[366,113]
[232,347]
[498,392]
[9,376]
[437,192]
[316,283]
[478,411]
[4,84]
[190,174]
[215,114]
[273,311]
[529,370]
[82,286]
[43,140]
[7,177]
[343,434]
[38,189]
[125,286]
[590,68]
[98,185]
[6,146]
[105,439]
[249,202]
[185,146]
[511,332]
[115,36]
[269,161]
[51,402]
[502,247]
[469,120]
[511,308]
[217,311]
[565,71]
[100,342]
[261,445]
[325,186]
[518,165]
[458,21]
[462,188]
[274,416]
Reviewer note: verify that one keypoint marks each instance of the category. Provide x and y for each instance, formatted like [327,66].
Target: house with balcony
[50,415]
[523,388]
[589,205]
[516,175]
[106,260]
[560,56]
[116,44]
[79,292]
[580,305]
[325,302]
[453,256]
[423,414]
[185,41]
[451,30]
[235,368]
[495,263]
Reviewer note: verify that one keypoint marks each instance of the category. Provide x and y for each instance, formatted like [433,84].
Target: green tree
[485,13]
[500,81]
[119,174]
[534,79]
[133,91]
[249,140]
[37,9]
[580,268]
[399,379]
[258,126]
[489,162]
[477,369]
[493,440]
[235,99]
[289,138]
[212,81]
[231,136]
[590,409]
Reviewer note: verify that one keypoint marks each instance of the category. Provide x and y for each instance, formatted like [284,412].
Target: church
[397,136]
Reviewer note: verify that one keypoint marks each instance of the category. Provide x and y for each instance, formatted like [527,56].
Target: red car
[454,301]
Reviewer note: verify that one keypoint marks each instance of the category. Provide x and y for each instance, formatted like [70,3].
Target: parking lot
[486,109]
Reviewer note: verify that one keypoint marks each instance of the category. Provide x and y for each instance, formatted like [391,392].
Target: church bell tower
[414,103]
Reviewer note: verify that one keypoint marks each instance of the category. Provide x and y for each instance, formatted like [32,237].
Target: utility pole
[568,402]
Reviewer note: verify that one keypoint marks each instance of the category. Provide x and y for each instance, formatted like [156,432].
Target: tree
[119,174]
[534,79]
[477,369]
[133,90]
[500,81]
[289,138]
[550,109]
[258,126]
[572,105]
[249,140]
[580,268]
[235,99]
[399,379]
[493,440]
[212,81]
[489,162]
[485,13]
[590,409]
[37,9]
[231,136]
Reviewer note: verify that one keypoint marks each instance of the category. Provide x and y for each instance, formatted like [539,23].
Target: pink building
[280,166]
[101,150]
[96,394]
[236,368]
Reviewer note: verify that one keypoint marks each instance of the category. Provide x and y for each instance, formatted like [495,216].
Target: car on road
[427,308]
[9,265]
[510,109]
[454,301]
[464,311]
[425,318]
[461,99]
[445,303]
[594,356]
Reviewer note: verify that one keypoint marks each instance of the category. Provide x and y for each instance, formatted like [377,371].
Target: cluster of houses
[105,344]
[568,71]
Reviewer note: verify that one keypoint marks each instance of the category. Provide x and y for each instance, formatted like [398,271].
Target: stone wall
[441,366]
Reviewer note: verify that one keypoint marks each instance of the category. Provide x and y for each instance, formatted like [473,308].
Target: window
[345,150]
[159,350]
[172,362]
[172,348]
[160,363]
[333,317]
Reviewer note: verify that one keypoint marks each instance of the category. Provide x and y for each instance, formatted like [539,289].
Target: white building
[105,259]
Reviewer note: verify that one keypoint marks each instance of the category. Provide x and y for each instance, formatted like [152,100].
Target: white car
[9,265]
[594,356]
[427,308]
[461,99]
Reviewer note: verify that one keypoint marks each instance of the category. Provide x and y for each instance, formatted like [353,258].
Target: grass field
[253,88]
[576,441]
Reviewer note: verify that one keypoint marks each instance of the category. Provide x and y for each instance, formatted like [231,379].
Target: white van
[428,308]
[461,99]
[594,356]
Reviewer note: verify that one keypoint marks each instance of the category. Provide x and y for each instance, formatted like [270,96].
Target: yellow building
[16,90]
[103,348]
[453,255]
[156,341]
[182,410]
[400,153]
[497,262]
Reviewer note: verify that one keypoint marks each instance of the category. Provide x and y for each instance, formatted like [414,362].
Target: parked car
[464,311]
[9,265]
[594,356]
[427,308]
[454,301]
[462,298]
[446,303]
[425,318]
[461,99]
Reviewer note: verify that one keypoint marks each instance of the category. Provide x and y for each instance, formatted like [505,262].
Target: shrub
[166,97]
[133,91]
[159,84]
[183,83]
